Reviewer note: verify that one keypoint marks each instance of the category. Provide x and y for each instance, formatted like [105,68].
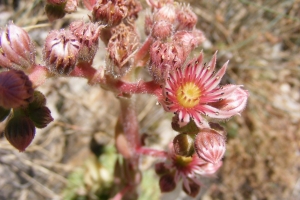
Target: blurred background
[68,159]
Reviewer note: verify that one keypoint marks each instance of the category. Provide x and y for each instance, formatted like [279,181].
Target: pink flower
[210,145]
[187,169]
[194,91]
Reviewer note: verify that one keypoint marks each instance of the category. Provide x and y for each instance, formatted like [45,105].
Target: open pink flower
[187,169]
[194,91]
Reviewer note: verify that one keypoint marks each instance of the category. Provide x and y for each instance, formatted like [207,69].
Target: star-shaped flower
[193,91]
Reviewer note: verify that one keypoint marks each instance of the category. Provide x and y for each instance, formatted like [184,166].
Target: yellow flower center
[182,161]
[188,95]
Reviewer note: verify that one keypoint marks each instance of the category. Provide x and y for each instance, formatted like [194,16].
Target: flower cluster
[189,89]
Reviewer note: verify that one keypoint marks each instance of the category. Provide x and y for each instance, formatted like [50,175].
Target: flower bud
[15,89]
[167,13]
[39,100]
[71,6]
[190,128]
[3,113]
[55,11]
[61,51]
[189,40]
[88,34]
[162,29]
[16,48]
[109,13]
[161,169]
[191,188]
[40,116]
[19,131]
[210,168]
[167,183]
[183,145]
[235,102]
[164,57]
[186,19]
[210,145]
[121,47]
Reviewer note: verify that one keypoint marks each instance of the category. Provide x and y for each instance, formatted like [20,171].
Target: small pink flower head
[193,91]
[19,131]
[16,48]
[235,103]
[187,169]
[167,13]
[15,89]
[164,58]
[121,47]
[186,19]
[162,30]
[71,6]
[61,51]
[210,145]
[189,40]
[88,34]
[110,13]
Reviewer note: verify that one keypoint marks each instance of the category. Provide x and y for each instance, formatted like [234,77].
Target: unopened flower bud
[190,128]
[186,18]
[167,13]
[38,101]
[167,183]
[191,188]
[40,116]
[88,34]
[55,11]
[183,145]
[121,48]
[109,13]
[3,113]
[16,48]
[162,29]
[161,169]
[210,168]
[15,89]
[210,145]
[235,102]
[19,131]
[71,6]
[189,40]
[61,51]
[164,58]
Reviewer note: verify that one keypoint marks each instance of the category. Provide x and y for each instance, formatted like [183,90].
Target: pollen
[188,95]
